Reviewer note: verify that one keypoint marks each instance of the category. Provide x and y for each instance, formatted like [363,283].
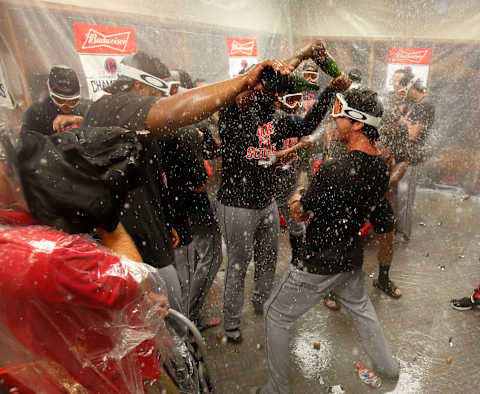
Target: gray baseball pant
[185,274]
[297,293]
[174,293]
[248,233]
[206,258]
[403,199]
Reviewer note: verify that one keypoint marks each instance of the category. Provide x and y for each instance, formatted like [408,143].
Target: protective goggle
[168,88]
[341,109]
[61,100]
[293,100]
[310,75]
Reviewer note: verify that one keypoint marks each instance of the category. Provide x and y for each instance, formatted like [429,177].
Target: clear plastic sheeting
[76,318]
[197,37]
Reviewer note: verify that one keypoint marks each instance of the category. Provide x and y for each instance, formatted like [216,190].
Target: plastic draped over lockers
[75,317]
[437,39]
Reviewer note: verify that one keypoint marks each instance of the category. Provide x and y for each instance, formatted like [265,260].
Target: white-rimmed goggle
[61,100]
[168,88]
[341,109]
[293,100]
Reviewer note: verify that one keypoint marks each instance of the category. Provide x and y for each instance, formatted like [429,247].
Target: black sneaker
[257,308]
[463,304]
[234,336]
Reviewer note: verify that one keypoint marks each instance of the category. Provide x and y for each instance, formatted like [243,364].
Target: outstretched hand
[283,155]
[296,209]
[340,83]
[314,50]
[254,74]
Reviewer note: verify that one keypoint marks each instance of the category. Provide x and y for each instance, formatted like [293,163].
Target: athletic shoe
[234,336]
[463,304]
[255,390]
[257,308]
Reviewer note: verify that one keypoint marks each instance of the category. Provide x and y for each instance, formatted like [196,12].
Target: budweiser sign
[97,39]
[242,47]
[410,55]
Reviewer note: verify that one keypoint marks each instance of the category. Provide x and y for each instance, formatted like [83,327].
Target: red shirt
[70,301]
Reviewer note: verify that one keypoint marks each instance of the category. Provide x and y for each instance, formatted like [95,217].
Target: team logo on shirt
[265,147]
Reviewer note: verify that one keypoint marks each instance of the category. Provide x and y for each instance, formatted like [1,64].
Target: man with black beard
[248,212]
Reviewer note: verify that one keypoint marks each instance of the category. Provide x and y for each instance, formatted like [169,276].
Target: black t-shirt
[382,217]
[342,196]
[185,172]
[41,114]
[200,214]
[248,137]
[143,215]
[421,112]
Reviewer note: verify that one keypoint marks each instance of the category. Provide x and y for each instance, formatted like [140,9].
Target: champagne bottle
[328,65]
[280,83]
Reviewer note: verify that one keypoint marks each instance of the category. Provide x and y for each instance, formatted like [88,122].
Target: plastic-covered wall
[439,40]
[193,36]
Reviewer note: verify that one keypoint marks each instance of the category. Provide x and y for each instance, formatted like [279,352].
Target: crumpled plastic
[76,318]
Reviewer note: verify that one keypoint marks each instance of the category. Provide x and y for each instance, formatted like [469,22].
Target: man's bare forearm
[193,105]
[398,172]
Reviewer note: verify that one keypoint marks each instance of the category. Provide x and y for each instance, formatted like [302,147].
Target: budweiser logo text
[242,48]
[117,41]
[415,56]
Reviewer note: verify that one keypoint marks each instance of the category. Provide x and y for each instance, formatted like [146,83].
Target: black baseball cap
[63,83]
[355,75]
[367,101]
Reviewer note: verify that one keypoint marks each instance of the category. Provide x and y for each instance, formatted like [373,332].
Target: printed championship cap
[63,83]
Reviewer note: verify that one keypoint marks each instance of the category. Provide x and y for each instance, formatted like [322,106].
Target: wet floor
[437,346]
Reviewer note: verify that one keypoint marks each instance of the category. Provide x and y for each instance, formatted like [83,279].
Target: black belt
[331,261]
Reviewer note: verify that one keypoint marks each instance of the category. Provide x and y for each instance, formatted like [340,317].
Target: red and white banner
[416,59]
[242,53]
[101,48]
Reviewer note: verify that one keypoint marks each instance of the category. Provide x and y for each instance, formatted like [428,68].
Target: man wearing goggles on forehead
[62,109]
[335,207]
[382,218]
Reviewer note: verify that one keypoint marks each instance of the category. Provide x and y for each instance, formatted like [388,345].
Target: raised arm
[197,104]
[312,50]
